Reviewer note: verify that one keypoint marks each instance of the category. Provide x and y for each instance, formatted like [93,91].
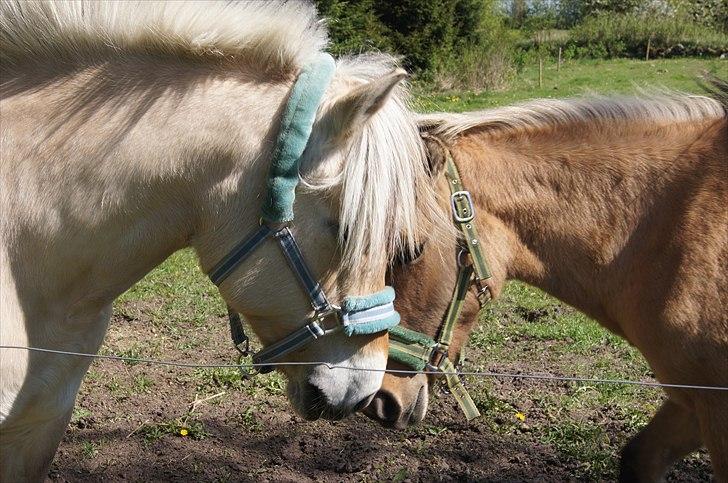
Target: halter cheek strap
[421,352]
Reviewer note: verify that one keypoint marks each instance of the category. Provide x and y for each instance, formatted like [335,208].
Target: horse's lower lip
[417,413]
[364,402]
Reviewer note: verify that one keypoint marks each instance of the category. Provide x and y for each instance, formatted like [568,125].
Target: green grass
[89,449]
[527,331]
[175,290]
[580,77]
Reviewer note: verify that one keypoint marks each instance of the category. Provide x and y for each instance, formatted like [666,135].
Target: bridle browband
[418,350]
[356,315]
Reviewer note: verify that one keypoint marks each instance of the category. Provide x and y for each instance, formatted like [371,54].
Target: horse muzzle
[394,409]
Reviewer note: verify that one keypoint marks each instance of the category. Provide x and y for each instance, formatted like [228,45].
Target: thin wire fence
[497,375]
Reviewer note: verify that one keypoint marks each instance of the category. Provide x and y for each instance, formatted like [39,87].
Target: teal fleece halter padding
[296,125]
[369,314]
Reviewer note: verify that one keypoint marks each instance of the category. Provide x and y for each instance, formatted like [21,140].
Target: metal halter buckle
[321,315]
[439,354]
[483,292]
[469,211]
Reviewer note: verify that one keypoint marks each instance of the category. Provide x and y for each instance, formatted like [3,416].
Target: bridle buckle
[439,354]
[463,214]
[484,291]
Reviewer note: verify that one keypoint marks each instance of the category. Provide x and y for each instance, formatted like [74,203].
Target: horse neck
[131,167]
[561,204]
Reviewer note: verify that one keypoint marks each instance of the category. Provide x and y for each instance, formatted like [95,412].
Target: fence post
[558,65]
[540,72]
[647,51]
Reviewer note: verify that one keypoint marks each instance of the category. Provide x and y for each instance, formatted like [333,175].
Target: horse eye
[333,225]
[406,257]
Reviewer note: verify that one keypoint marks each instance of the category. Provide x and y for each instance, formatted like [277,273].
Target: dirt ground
[147,423]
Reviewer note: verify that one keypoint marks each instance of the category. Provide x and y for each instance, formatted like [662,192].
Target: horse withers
[133,129]
[616,206]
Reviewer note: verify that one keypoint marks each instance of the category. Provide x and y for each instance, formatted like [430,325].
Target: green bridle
[419,351]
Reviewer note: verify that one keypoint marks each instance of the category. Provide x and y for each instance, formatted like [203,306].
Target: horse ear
[435,153]
[356,107]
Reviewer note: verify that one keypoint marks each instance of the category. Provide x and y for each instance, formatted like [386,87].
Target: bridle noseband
[418,350]
[356,315]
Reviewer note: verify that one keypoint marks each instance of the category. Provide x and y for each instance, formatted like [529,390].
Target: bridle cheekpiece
[421,352]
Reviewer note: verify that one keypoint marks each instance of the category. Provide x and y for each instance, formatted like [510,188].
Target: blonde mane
[387,202]
[278,35]
[655,107]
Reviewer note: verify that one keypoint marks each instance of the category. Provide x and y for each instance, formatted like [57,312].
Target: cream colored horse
[616,206]
[133,129]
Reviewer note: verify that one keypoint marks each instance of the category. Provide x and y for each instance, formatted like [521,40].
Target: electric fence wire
[491,374]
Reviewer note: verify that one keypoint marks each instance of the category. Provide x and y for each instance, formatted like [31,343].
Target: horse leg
[38,393]
[26,453]
[713,416]
[671,434]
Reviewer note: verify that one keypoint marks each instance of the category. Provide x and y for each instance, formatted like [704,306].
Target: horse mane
[656,106]
[279,35]
[387,202]
[716,87]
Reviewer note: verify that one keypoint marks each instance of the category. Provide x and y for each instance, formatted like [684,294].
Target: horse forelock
[275,34]
[387,202]
[596,111]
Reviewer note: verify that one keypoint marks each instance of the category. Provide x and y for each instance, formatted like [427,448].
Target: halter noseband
[357,315]
[420,351]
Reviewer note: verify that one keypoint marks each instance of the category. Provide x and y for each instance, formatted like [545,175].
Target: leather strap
[416,349]
[236,256]
[463,215]
[298,265]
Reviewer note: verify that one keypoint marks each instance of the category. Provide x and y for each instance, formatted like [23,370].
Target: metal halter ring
[438,355]
[321,315]
[462,256]
[246,371]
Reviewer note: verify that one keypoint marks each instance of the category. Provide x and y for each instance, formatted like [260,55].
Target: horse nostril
[385,407]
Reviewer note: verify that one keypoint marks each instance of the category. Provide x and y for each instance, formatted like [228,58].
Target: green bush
[627,35]
[480,67]
[447,40]
[710,13]
[353,26]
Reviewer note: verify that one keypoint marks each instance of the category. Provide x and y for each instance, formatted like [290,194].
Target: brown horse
[616,206]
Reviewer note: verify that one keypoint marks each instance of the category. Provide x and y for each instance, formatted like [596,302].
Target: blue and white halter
[356,315]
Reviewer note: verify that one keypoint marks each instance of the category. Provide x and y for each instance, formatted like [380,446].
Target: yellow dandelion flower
[520,416]
[183,432]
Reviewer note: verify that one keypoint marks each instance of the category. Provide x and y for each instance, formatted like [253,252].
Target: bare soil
[129,422]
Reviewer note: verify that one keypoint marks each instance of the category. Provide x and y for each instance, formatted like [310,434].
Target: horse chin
[334,393]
